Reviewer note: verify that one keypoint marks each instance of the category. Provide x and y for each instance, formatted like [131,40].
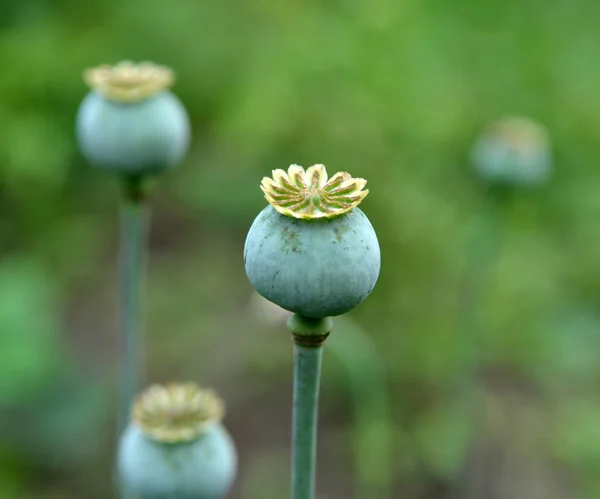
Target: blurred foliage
[392,91]
[30,350]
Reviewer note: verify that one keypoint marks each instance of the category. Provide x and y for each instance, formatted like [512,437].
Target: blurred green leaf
[30,345]
[442,438]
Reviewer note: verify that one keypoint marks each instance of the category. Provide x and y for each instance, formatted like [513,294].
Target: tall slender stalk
[484,247]
[132,256]
[309,335]
[307,374]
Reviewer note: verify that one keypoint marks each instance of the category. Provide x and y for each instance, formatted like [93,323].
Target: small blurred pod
[130,122]
[175,446]
[513,151]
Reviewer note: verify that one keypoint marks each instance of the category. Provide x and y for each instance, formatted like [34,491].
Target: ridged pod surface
[319,267]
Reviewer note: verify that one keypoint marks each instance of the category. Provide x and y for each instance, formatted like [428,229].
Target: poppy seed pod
[176,447]
[513,152]
[130,123]
[312,251]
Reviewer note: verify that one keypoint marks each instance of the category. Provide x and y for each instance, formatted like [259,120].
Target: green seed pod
[312,251]
[513,152]
[176,447]
[130,123]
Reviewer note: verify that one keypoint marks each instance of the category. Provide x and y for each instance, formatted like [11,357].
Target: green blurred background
[395,92]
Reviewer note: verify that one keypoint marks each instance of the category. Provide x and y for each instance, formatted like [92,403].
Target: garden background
[395,92]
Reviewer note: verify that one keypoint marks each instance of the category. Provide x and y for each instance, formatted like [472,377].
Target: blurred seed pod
[513,151]
[175,446]
[130,122]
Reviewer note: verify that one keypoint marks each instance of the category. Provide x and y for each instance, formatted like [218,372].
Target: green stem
[309,335]
[132,253]
[484,248]
[307,374]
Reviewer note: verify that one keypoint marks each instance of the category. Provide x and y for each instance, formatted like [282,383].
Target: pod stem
[309,335]
[484,247]
[132,256]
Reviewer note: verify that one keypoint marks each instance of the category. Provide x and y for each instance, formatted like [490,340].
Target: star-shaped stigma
[128,81]
[520,134]
[179,412]
[310,194]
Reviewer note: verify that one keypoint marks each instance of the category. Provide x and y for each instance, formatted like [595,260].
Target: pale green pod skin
[141,137]
[316,268]
[204,468]
[499,163]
